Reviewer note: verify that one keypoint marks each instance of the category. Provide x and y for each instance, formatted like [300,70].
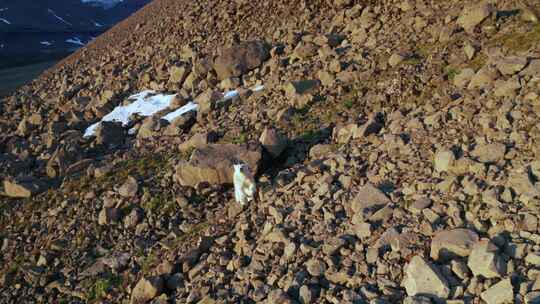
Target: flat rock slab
[213,163]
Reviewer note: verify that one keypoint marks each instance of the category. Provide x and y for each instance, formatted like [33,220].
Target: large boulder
[213,163]
[240,58]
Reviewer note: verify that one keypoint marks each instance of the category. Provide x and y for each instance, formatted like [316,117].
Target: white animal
[244,184]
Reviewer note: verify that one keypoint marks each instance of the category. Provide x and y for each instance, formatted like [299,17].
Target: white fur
[244,184]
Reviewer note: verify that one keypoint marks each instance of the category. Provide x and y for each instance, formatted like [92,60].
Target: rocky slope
[396,145]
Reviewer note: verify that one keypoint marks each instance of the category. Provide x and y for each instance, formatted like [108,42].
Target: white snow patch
[75,40]
[58,17]
[3,9]
[97,23]
[144,104]
[5,21]
[147,103]
[190,106]
[46,43]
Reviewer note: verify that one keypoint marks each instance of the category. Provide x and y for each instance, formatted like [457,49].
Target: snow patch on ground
[58,17]
[75,40]
[3,9]
[5,21]
[144,104]
[46,43]
[190,106]
[147,103]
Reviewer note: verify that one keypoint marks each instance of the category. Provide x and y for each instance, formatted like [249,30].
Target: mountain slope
[395,147]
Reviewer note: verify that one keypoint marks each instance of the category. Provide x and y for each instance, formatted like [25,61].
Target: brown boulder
[213,163]
[240,58]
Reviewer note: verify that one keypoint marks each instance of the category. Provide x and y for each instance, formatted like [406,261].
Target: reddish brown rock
[240,58]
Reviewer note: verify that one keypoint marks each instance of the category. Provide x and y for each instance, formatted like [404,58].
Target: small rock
[422,278]
[395,59]
[507,88]
[177,74]
[483,78]
[304,50]
[133,218]
[473,15]
[444,160]
[331,246]
[301,87]
[464,77]
[327,79]
[369,198]
[273,141]
[315,267]
[207,101]
[469,50]
[320,150]
[511,65]
[533,258]
[485,261]
[448,243]
[499,293]
[362,230]
[278,296]
[489,153]
[306,295]
[129,188]
[146,289]
[108,215]
[420,204]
